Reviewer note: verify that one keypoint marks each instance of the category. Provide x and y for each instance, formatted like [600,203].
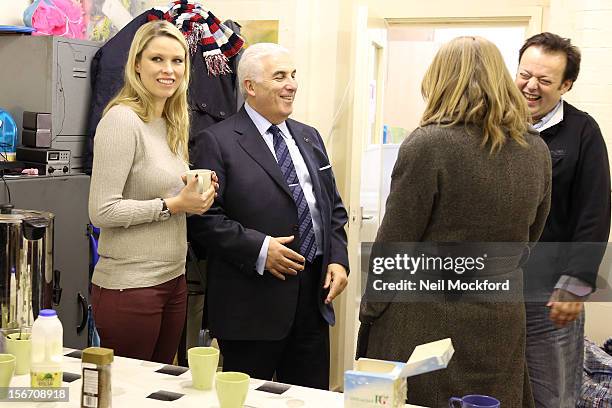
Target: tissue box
[378,383]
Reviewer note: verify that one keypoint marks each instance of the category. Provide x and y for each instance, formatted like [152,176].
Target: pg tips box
[378,383]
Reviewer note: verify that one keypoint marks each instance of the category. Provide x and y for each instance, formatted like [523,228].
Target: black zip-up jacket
[580,204]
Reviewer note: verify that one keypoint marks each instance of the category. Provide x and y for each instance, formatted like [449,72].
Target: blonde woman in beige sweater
[139,200]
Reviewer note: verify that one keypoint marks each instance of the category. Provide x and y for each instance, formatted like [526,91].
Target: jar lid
[97,355]
[47,313]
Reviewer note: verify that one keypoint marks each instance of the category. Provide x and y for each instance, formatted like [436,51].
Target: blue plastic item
[8,136]
[16,29]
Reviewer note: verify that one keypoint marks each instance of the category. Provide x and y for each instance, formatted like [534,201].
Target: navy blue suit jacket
[254,201]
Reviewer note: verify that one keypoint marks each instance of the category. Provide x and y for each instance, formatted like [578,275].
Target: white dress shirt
[262,124]
[551,118]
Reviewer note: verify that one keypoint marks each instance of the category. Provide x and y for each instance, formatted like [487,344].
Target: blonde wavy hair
[468,83]
[139,99]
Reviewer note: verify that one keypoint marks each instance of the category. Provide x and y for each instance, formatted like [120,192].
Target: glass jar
[96,391]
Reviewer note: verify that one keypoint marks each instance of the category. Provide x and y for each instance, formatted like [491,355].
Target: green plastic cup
[232,388]
[19,344]
[203,362]
[7,368]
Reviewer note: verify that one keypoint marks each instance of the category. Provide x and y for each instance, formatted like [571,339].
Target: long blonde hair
[468,83]
[139,99]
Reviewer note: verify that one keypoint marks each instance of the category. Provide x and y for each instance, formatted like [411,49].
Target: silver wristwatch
[164,214]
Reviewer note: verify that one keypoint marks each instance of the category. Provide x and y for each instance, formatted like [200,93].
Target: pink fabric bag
[63,18]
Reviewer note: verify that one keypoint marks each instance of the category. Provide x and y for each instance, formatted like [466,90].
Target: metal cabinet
[66,197]
[50,74]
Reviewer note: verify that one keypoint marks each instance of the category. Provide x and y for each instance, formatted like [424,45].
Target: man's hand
[281,260]
[336,280]
[564,307]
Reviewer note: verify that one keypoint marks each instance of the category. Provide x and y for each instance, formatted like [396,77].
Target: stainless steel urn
[26,265]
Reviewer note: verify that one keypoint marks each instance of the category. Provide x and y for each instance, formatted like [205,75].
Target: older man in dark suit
[276,243]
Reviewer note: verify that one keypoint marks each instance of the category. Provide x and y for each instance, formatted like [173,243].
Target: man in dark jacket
[578,223]
[277,254]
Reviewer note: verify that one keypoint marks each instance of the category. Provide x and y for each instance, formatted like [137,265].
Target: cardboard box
[378,383]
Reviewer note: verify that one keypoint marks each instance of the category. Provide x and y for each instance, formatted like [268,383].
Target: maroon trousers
[143,323]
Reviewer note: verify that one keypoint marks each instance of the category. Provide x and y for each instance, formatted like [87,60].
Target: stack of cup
[19,344]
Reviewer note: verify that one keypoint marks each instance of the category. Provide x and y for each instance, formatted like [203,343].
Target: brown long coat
[447,188]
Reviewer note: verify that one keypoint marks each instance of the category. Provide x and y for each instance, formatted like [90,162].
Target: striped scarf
[202,29]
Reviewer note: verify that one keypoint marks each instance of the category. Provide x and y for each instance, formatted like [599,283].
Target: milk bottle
[46,362]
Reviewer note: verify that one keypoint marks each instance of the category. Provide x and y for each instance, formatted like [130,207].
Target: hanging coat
[211,98]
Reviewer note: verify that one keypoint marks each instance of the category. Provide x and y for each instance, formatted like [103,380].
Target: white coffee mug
[204,178]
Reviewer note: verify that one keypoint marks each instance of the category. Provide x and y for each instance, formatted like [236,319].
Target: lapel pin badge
[307,140]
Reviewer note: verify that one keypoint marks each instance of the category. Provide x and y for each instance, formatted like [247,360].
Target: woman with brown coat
[474,171]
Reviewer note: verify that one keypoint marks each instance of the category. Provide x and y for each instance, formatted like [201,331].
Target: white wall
[587,23]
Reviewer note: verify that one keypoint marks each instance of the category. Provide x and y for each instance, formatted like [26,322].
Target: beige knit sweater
[133,169]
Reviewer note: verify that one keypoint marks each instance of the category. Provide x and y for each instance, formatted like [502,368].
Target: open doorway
[411,48]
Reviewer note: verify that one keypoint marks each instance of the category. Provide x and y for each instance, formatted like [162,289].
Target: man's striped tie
[308,244]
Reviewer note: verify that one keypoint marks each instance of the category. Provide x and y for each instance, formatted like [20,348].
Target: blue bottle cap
[47,313]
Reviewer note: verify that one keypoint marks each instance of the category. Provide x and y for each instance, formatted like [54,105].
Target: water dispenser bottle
[8,136]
